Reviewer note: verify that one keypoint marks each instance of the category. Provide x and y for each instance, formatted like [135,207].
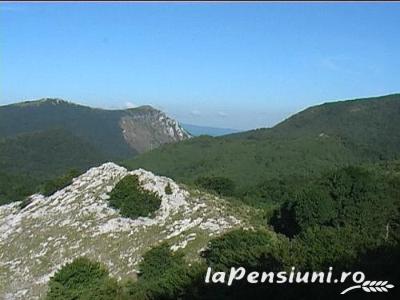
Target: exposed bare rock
[76,221]
[148,128]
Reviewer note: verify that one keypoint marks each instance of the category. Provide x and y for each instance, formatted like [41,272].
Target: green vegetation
[46,138]
[347,219]
[248,163]
[52,186]
[132,200]
[46,154]
[16,187]
[47,188]
[351,196]
[221,185]
[239,248]
[164,275]
[312,142]
[97,127]
[327,181]
[30,160]
[368,126]
[83,279]
[168,189]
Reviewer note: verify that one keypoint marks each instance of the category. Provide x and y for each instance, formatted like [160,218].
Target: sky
[233,65]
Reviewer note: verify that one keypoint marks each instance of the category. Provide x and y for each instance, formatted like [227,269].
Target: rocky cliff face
[146,128]
[77,221]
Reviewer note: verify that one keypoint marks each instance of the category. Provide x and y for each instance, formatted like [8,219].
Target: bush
[168,189]
[164,275]
[82,279]
[221,185]
[132,200]
[157,261]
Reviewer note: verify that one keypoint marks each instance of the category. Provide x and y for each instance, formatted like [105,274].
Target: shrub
[168,189]
[164,275]
[82,279]
[158,260]
[132,200]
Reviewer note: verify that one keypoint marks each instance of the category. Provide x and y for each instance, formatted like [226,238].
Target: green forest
[347,219]
[327,181]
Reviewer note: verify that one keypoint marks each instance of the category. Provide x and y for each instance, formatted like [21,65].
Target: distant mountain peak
[144,108]
[54,100]
[43,101]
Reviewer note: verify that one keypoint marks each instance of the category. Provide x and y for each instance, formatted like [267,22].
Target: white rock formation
[76,221]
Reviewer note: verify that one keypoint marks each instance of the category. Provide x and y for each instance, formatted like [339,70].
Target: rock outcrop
[146,128]
[77,221]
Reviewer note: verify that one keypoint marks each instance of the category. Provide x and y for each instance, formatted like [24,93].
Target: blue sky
[241,66]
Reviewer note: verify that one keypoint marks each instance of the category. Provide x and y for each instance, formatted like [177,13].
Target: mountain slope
[115,133]
[29,159]
[77,221]
[42,139]
[46,153]
[315,140]
[371,124]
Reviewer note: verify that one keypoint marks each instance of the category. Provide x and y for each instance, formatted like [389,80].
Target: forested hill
[371,123]
[44,139]
[116,133]
[320,138]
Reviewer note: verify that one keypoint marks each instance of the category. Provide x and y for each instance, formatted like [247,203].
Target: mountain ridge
[89,122]
[327,136]
[48,137]
[78,221]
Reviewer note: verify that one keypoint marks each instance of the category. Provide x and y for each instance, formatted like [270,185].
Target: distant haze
[196,130]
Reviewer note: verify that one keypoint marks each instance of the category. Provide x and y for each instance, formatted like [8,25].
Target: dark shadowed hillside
[30,153]
[29,159]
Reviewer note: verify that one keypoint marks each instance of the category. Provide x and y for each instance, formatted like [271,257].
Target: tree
[351,196]
[163,275]
[313,206]
[82,279]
